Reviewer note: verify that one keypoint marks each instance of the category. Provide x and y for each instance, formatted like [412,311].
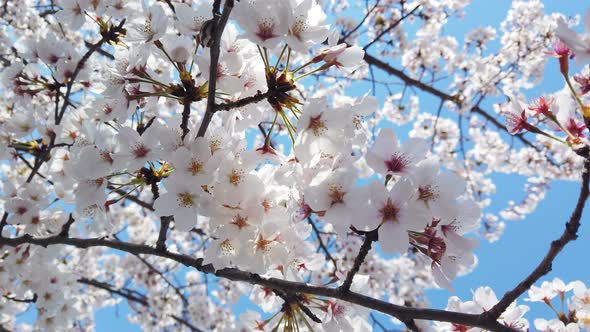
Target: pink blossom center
[265,30]
[140,151]
[397,163]
[21,210]
[389,212]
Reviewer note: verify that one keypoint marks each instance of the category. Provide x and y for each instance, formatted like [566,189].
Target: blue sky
[504,263]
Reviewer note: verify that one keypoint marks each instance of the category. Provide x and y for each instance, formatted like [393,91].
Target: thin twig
[321,242]
[569,234]
[259,96]
[391,27]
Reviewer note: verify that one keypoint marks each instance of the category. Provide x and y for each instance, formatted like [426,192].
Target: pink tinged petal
[402,191]
[351,57]
[416,148]
[460,244]
[440,279]
[485,297]
[426,172]
[317,198]
[393,238]
[386,142]
[185,219]
[126,135]
[415,217]
[166,204]
[180,158]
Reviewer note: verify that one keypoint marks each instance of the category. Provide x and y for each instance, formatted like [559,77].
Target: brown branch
[133,297]
[31,300]
[321,242]
[370,237]
[220,22]
[133,199]
[186,112]
[109,288]
[391,27]
[358,26]
[164,225]
[100,50]
[401,312]
[569,234]
[259,96]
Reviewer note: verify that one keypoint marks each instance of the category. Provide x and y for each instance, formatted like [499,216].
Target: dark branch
[321,242]
[214,50]
[443,96]
[400,312]
[370,237]
[569,234]
[259,96]
[391,27]
[186,113]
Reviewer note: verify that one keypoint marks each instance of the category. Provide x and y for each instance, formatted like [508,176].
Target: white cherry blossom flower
[264,21]
[387,157]
[306,26]
[134,151]
[394,213]
[181,200]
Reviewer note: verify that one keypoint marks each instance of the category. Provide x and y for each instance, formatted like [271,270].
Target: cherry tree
[181,156]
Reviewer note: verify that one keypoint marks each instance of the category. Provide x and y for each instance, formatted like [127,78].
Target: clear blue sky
[503,263]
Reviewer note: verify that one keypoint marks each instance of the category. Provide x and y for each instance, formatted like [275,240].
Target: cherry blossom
[387,157]
[313,159]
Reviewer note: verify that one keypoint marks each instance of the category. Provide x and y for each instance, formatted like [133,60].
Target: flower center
[397,163]
[240,221]
[186,200]
[235,177]
[336,194]
[227,248]
[195,167]
[140,151]
[265,30]
[389,212]
[427,193]
[317,125]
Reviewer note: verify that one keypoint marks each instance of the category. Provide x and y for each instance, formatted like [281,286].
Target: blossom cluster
[119,121]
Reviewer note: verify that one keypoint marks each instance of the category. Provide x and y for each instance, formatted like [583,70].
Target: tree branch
[214,51]
[444,96]
[391,27]
[370,237]
[259,96]
[569,234]
[186,112]
[400,312]
[321,242]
